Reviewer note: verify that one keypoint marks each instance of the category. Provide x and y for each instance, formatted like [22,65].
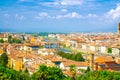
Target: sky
[59,15]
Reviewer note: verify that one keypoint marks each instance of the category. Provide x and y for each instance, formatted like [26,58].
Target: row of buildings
[96,45]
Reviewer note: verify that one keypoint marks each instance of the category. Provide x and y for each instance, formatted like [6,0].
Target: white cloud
[42,14]
[92,15]
[114,13]
[69,15]
[71,2]
[64,2]
[76,15]
[73,15]
[64,10]
[20,17]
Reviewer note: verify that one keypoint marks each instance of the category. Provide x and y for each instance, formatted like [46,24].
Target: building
[119,28]
[45,51]
[106,63]
[65,65]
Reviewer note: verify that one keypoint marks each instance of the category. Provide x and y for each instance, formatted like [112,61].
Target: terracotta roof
[118,60]
[104,59]
[68,63]
[1,35]
[53,58]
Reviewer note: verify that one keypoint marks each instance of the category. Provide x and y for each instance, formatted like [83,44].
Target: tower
[119,28]
[92,61]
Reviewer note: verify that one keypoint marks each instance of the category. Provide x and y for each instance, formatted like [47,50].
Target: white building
[65,65]
[46,51]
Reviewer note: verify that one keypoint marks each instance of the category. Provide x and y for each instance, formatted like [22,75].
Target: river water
[53,46]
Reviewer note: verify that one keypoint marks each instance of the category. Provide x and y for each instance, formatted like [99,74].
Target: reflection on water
[35,47]
[64,50]
[53,46]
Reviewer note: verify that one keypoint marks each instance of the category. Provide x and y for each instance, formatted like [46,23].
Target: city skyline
[59,15]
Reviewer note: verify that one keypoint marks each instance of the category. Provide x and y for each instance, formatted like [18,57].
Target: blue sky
[59,15]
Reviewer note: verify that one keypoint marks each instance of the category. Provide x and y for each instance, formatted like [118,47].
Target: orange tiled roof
[53,58]
[77,64]
[104,59]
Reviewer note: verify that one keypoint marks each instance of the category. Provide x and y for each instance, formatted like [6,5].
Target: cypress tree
[4,60]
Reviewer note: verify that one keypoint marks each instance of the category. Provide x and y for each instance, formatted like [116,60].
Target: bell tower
[119,28]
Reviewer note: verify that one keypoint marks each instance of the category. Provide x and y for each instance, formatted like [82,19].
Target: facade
[103,49]
[26,48]
[106,63]
[45,51]
[115,51]
[65,65]
[16,63]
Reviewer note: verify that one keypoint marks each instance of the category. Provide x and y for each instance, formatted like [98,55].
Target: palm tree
[42,72]
[73,72]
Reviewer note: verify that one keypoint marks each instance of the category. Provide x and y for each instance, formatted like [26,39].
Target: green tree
[41,46]
[48,73]
[73,72]
[42,73]
[15,40]
[10,39]
[2,70]
[4,60]
[88,69]
[25,76]
[23,38]
[109,50]
[1,41]
[79,57]
[100,75]
[26,71]
[8,74]
[55,73]
[116,77]
[75,57]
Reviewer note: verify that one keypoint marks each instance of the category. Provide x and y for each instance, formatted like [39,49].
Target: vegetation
[67,47]
[48,73]
[4,60]
[10,74]
[76,57]
[1,41]
[73,72]
[109,50]
[88,69]
[52,73]
[99,75]
[23,38]
[10,39]
[41,46]
[14,40]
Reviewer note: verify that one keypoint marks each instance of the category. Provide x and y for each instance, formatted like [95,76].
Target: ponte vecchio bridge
[51,44]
